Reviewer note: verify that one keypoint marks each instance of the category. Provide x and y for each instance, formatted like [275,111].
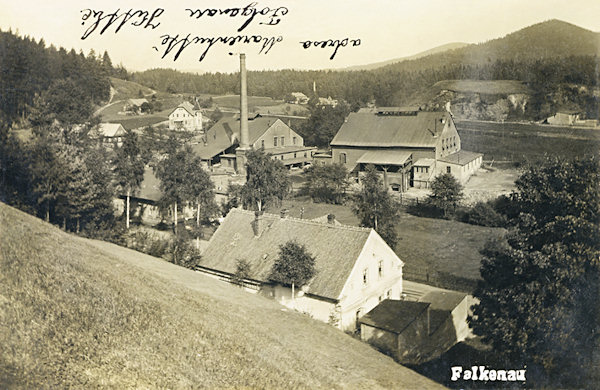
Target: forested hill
[545,56]
[59,78]
[550,39]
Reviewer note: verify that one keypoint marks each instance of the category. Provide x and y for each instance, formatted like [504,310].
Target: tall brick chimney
[240,152]
[244,137]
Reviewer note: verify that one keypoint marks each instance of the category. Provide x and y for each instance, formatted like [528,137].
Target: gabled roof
[369,129]
[393,315]
[226,133]
[424,162]
[335,248]
[462,157]
[325,219]
[385,157]
[443,299]
[137,102]
[189,107]
[217,139]
[109,130]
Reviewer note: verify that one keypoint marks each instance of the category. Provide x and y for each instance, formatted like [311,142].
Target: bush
[483,214]
[182,252]
[158,247]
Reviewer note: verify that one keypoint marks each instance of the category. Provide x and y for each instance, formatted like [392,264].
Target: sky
[372,30]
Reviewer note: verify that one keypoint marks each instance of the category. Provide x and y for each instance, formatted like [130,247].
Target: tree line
[396,84]
[33,74]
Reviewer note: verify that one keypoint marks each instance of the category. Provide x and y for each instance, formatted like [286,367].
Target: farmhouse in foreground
[409,146]
[355,268]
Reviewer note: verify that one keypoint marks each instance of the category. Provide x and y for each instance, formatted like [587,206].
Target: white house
[355,268]
[185,117]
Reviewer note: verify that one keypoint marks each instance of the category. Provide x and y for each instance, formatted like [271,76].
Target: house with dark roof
[132,106]
[355,268]
[218,144]
[185,117]
[408,146]
[415,332]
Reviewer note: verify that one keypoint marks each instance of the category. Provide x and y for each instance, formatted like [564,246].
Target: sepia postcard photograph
[300,194]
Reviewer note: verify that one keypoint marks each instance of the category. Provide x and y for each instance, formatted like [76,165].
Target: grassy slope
[83,313]
[128,89]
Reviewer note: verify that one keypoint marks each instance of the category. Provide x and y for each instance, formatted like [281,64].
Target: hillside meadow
[83,314]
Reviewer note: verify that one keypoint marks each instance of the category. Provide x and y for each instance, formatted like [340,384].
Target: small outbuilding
[415,332]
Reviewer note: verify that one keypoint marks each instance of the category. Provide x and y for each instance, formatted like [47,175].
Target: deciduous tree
[540,288]
[267,181]
[327,183]
[295,266]
[129,169]
[375,207]
[446,192]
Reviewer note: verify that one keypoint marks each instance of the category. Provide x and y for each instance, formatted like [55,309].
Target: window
[365,276]
[342,158]
[262,143]
[380,298]
[294,140]
[282,141]
[294,155]
[304,154]
[426,169]
[274,141]
[380,269]
[282,156]
[448,170]
[389,293]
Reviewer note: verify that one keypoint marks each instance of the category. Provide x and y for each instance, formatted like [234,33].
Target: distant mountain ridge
[550,39]
[435,50]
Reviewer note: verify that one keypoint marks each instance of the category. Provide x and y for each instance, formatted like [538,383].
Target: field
[520,143]
[128,90]
[233,101]
[134,122]
[441,252]
[76,313]
[489,87]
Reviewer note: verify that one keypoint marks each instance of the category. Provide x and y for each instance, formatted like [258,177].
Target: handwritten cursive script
[178,45]
[249,11]
[138,18]
[331,43]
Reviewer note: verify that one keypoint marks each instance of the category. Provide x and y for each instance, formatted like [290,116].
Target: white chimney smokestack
[244,136]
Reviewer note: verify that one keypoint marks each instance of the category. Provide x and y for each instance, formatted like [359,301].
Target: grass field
[490,87]
[134,122]
[76,313]
[442,252]
[233,101]
[128,89]
[520,143]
